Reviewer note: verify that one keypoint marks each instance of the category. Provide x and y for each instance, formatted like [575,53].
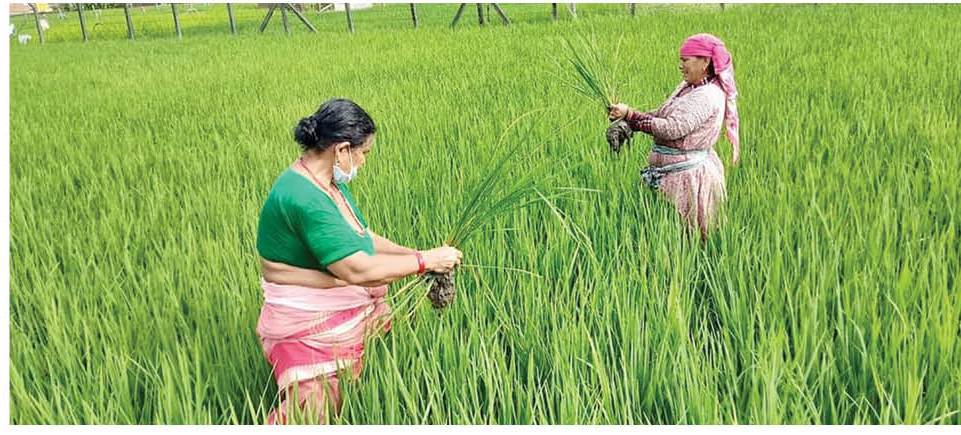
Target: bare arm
[378,269]
[363,269]
[383,245]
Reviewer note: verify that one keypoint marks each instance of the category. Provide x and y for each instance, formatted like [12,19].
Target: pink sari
[311,334]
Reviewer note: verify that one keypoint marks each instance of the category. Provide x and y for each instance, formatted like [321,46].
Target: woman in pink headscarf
[683,164]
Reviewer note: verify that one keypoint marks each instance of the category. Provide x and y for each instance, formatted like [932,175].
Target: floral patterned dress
[685,129]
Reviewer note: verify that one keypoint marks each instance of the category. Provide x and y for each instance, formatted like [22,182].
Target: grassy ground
[828,296]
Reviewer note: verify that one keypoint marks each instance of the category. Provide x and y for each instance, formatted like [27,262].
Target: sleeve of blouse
[639,121]
[695,111]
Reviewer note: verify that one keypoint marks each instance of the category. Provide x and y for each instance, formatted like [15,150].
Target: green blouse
[301,226]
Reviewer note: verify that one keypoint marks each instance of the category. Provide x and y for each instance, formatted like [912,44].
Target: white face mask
[344,177]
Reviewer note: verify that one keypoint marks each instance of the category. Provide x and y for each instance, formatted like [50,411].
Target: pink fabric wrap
[310,332]
[707,45]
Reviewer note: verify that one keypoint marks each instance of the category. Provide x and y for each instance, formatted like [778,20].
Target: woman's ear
[341,147]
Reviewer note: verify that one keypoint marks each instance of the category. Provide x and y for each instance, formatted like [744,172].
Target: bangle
[421,266]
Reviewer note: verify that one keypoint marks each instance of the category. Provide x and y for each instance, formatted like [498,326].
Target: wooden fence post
[126,13]
[303,19]
[460,11]
[500,12]
[83,22]
[350,18]
[36,18]
[230,16]
[283,18]
[173,8]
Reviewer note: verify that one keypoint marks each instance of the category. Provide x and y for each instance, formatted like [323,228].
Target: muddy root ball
[618,135]
[442,290]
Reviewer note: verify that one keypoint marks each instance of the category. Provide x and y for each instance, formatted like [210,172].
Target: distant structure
[24,8]
[321,7]
[353,6]
[40,11]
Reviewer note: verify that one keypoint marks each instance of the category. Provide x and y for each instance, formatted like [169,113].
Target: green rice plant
[595,78]
[595,75]
[508,184]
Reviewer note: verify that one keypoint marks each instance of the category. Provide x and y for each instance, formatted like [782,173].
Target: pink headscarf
[707,45]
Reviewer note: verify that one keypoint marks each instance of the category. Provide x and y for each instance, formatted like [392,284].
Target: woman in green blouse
[324,271]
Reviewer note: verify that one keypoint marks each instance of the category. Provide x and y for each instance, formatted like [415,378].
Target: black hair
[337,120]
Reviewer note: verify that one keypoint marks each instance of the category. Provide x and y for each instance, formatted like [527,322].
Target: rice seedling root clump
[442,291]
[618,135]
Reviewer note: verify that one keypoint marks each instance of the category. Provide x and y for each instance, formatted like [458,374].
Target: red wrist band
[421,266]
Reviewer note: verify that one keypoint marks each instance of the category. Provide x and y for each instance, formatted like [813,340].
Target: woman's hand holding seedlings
[618,111]
[442,259]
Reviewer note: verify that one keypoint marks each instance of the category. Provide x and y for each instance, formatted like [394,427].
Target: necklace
[333,196]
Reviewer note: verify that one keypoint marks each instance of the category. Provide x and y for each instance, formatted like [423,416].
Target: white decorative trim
[303,373]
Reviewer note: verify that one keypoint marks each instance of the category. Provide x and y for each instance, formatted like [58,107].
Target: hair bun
[306,132]
[338,120]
